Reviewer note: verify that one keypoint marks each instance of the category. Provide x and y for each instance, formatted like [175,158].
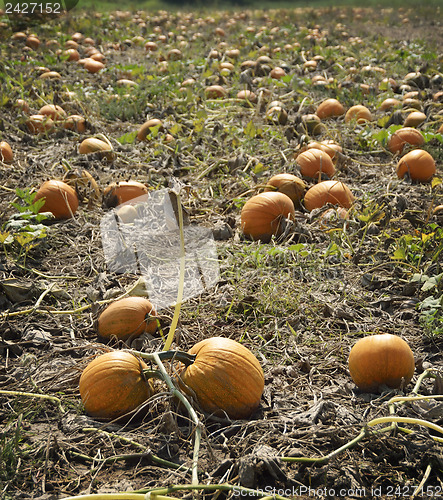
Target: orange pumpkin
[94,145]
[60,199]
[288,184]
[263,215]
[6,154]
[39,124]
[277,73]
[55,112]
[225,377]
[330,108]
[414,119]
[113,384]
[418,164]
[247,95]
[403,136]
[215,92]
[314,162]
[328,146]
[383,359]
[389,103]
[334,192]
[121,192]
[359,113]
[76,123]
[127,317]
[91,65]
[145,130]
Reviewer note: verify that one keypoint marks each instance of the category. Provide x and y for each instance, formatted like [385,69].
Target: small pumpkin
[358,113]
[389,103]
[247,95]
[60,199]
[77,123]
[6,154]
[54,111]
[146,129]
[403,136]
[127,317]
[50,75]
[277,73]
[277,115]
[330,108]
[314,162]
[414,119]
[418,164]
[334,192]
[121,192]
[39,124]
[113,385]
[263,215]
[328,146]
[225,377]
[382,359]
[91,65]
[215,92]
[311,124]
[95,145]
[288,184]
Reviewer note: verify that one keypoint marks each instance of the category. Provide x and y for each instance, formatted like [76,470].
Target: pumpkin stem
[192,413]
[181,282]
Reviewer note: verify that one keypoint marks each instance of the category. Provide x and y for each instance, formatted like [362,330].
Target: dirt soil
[298,303]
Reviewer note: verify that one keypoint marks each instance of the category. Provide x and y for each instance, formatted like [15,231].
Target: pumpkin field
[221,253]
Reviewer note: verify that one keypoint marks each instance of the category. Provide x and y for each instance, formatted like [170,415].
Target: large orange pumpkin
[60,199]
[403,136]
[418,164]
[127,317]
[359,113]
[330,108]
[288,184]
[383,359]
[113,384]
[225,377]
[263,215]
[120,192]
[334,192]
[314,162]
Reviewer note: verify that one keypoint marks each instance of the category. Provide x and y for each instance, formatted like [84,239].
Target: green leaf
[259,168]
[128,138]
[399,254]
[6,238]
[250,130]
[430,303]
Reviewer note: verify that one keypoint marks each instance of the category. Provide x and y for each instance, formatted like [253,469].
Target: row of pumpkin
[222,376]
